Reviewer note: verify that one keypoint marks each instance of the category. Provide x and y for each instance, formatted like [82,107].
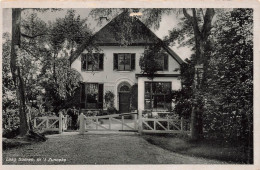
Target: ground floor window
[91,96]
[157,95]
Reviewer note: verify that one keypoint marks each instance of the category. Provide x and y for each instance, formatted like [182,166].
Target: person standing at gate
[73,113]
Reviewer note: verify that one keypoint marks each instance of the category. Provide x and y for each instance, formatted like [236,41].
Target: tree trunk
[15,70]
[201,37]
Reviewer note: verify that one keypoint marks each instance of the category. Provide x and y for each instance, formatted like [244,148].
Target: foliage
[58,79]
[149,60]
[109,101]
[42,62]
[134,97]
[183,97]
[8,89]
[230,99]
[109,98]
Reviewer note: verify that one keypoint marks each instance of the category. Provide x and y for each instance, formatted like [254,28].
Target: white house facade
[116,68]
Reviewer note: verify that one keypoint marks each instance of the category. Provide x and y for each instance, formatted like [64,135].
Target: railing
[51,123]
[142,124]
[110,125]
[162,125]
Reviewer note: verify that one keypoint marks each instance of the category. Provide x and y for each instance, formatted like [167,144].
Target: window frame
[125,54]
[99,104]
[132,62]
[162,57]
[152,96]
[86,60]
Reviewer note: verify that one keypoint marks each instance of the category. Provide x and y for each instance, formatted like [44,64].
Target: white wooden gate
[115,122]
[162,125]
[51,123]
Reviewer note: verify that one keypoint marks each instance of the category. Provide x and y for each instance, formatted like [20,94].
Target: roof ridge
[169,50]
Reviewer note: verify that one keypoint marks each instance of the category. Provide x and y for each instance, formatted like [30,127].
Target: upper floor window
[124,61]
[92,62]
[162,61]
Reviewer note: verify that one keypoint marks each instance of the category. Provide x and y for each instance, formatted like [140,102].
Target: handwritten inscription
[14,160]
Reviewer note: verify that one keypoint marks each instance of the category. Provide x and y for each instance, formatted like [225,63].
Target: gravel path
[97,148]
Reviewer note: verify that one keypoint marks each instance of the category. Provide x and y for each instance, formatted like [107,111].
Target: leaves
[149,60]
[231,78]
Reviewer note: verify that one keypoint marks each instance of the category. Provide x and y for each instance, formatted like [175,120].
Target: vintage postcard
[130,84]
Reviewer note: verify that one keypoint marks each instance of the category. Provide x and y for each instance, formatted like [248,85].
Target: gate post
[81,124]
[135,121]
[47,122]
[34,122]
[60,122]
[140,121]
[182,124]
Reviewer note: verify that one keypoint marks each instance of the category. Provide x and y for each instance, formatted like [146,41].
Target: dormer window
[92,62]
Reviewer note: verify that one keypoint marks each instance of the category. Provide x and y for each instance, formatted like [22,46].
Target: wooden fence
[162,125]
[113,121]
[51,123]
[142,124]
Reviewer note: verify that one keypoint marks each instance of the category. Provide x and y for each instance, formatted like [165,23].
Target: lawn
[205,149]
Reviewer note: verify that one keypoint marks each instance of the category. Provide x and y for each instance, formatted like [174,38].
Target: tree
[15,70]
[21,49]
[149,61]
[8,88]
[230,81]
[60,81]
[183,97]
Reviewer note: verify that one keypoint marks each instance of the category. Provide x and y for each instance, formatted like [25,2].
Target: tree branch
[202,12]
[34,36]
[186,14]
[195,22]
[210,12]
[28,51]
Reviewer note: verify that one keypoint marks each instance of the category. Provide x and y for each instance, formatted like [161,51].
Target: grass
[206,149]
[13,143]
[12,140]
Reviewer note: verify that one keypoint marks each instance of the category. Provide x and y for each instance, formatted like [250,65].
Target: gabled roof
[133,31]
[124,26]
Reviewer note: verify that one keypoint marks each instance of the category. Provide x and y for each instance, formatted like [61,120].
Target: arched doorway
[124,97]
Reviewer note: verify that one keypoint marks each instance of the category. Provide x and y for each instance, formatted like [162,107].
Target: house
[115,67]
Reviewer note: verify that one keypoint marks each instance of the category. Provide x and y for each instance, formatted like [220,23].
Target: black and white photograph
[128,86]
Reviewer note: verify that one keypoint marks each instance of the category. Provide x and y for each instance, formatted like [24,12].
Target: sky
[168,22]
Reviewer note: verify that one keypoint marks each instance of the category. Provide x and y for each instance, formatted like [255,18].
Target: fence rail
[110,125]
[51,123]
[139,123]
[162,125]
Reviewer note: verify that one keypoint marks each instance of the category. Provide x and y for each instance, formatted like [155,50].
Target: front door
[124,102]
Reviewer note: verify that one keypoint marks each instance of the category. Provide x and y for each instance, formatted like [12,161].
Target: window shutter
[82,96]
[100,95]
[101,61]
[83,62]
[115,61]
[165,62]
[133,61]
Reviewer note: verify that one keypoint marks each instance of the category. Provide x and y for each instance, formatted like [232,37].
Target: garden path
[97,148]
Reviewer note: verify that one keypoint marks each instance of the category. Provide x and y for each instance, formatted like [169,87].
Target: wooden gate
[51,123]
[115,122]
[150,125]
